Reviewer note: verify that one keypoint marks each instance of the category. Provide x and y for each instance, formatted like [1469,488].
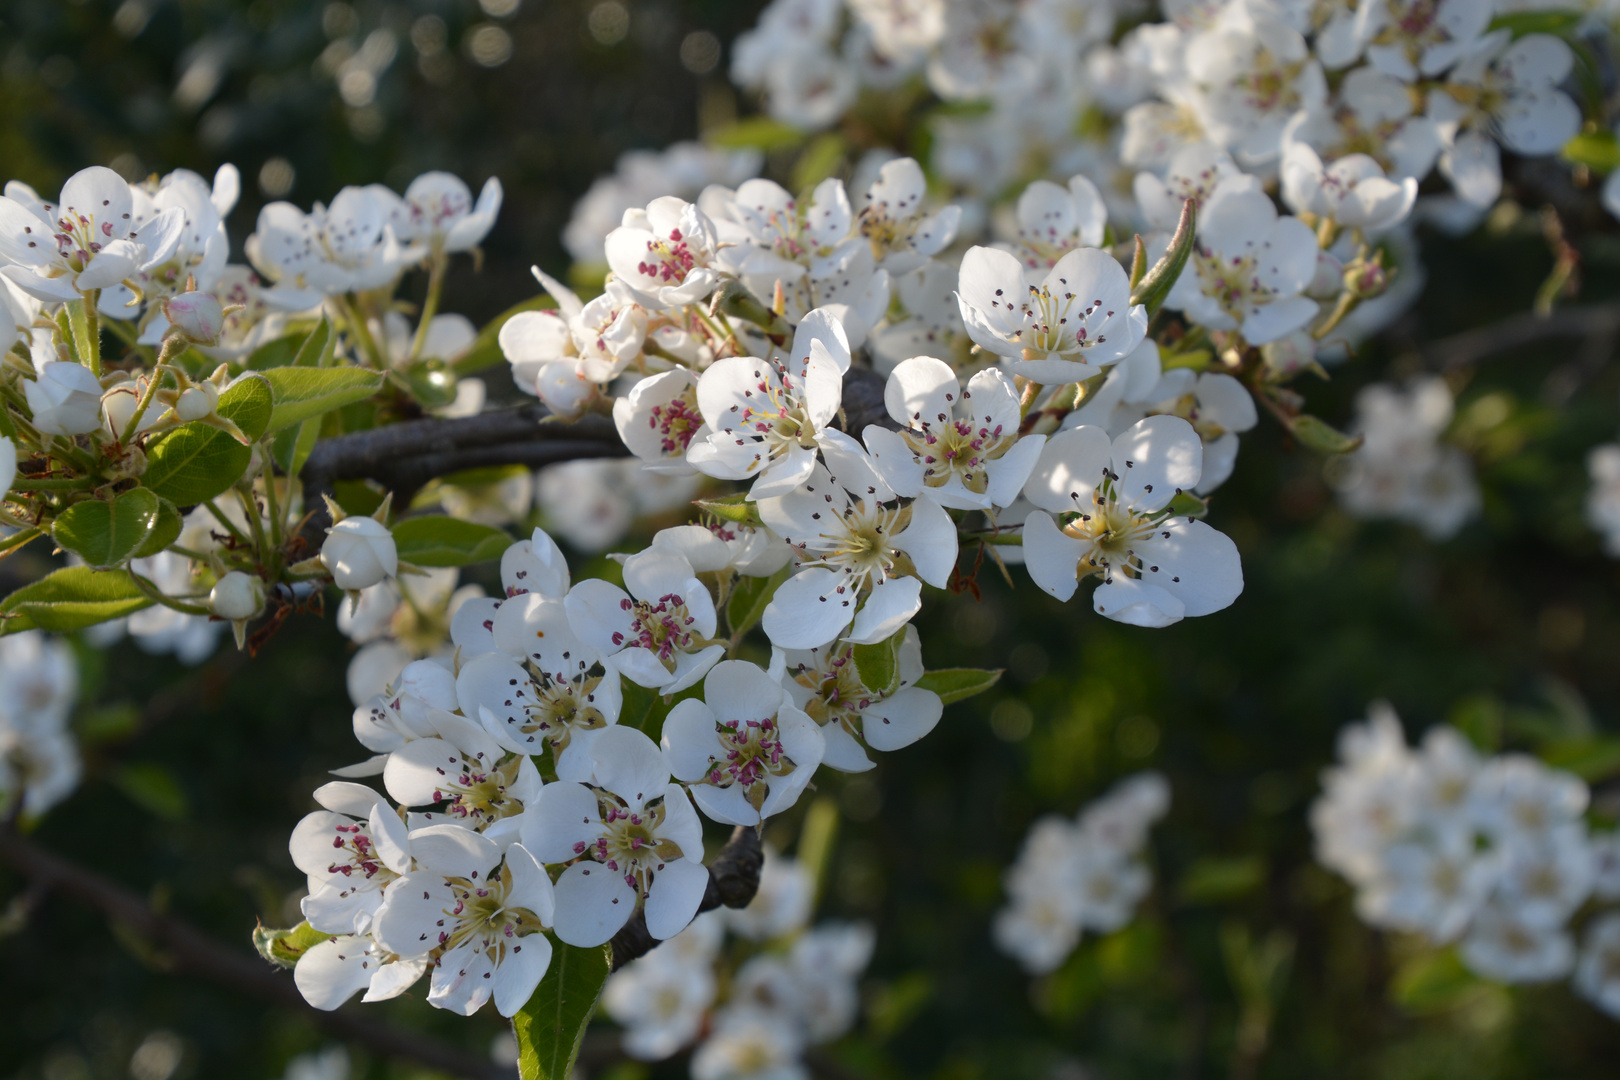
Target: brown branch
[1520,331]
[194,953]
[733,881]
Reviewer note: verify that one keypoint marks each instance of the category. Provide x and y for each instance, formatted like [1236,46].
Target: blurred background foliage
[1247,962]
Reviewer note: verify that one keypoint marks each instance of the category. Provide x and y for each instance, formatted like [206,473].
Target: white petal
[673,900]
[1128,600]
[593,904]
[1051,557]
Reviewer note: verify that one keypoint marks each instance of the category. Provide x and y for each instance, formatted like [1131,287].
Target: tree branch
[733,881]
[195,953]
[1519,331]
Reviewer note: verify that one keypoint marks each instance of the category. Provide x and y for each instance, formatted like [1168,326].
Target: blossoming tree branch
[860,390]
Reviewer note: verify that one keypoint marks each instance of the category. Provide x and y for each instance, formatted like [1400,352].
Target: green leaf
[107,533]
[1212,880]
[284,947]
[734,508]
[550,1028]
[195,461]
[879,665]
[1538,22]
[1317,435]
[164,533]
[300,393]
[956,684]
[72,599]
[1432,982]
[291,446]
[485,351]
[819,161]
[1186,504]
[1156,284]
[1591,759]
[756,132]
[1597,150]
[749,595]
[153,788]
[316,351]
[274,354]
[437,540]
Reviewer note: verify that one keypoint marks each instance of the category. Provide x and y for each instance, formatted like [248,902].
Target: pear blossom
[349,246]
[352,850]
[1507,91]
[745,751]
[750,1044]
[659,633]
[476,915]
[544,688]
[790,239]
[1054,220]
[1504,946]
[722,547]
[1252,73]
[826,684]
[929,322]
[438,208]
[1408,38]
[1248,268]
[902,236]
[665,255]
[87,240]
[1603,500]
[635,836]
[659,419]
[1114,499]
[1353,191]
[1195,172]
[563,356]
[767,419]
[781,905]
[1597,972]
[853,541]
[64,398]
[961,446]
[663,998]
[332,971]
[39,758]
[1076,321]
[1372,113]
[466,773]
[1403,469]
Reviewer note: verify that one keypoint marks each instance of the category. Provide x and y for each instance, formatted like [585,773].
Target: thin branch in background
[194,953]
[1522,331]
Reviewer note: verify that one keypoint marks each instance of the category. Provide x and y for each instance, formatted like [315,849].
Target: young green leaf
[164,533]
[71,599]
[734,508]
[955,684]
[879,665]
[550,1028]
[283,947]
[437,540]
[107,533]
[300,393]
[196,462]
[1317,435]
[1155,286]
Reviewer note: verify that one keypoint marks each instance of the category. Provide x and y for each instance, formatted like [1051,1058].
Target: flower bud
[1366,278]
[65,399]
[359,552]
[563,388]
[237,596]
[1288,355]
[198,317]
[197,402]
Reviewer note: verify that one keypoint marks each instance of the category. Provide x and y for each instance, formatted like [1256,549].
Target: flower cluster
[753,1018]
[39,760]
[1403,469]
[1081,873]
[1491,852]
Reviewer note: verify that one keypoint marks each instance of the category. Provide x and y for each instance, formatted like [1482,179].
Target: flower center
[840,694]
[1232,283]
[357,855]
[1055,321]
[752,751]
[630,844]
[668,260]
[676,421]
[561,707]
[1111,533]
[957,448]
[662,627]
[481,916]
[479,792]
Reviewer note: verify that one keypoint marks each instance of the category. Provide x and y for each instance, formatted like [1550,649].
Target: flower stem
[430,304]
[156,595]
[92,336]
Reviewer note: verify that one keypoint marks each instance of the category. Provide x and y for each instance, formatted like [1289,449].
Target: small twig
[1519,331]
[194,953]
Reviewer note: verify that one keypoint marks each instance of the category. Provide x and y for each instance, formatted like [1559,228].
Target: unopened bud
[1329,278]
[359,552]
[197,402]
[1366,278]
[65,399]
[237,596]
[1288,355]
[198,317]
